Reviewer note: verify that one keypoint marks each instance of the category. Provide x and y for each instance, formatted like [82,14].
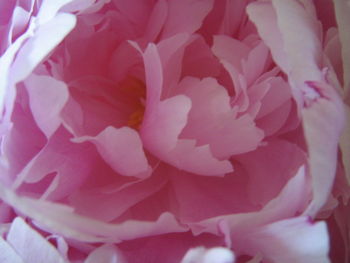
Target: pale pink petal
[84,6]
[7,91]
[49,9]
[46,38]
[301,38]
[212,255]
[264,17]
[294,240]
[30,245]
[185,16]
[105,254]
[122,149]
[47,98]
[20,20]
[323,120]
[61,219]
[8,254]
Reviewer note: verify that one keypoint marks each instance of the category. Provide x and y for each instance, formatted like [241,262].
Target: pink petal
[122,149]
[105,254]
[71,161]
[185,17]
[226,133]
[231,50]
[163,122]
[47,98]
[156,20]
[107,206]
[199,61]
[267,176]
[25,139]
[30,245]
[201,198]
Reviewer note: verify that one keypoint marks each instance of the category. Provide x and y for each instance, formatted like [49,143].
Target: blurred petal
[8,254]
[212,255]
[30,245]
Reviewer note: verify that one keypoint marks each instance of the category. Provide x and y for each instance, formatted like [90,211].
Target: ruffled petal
[122,149]
[163,122]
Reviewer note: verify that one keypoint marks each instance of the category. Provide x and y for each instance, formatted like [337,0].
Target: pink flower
[174,131]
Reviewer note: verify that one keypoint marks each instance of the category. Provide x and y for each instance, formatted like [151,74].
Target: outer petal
[61,219]
[323,116]
[342,9]
[264,17]
[237,225]
[47,37]
[292,241]
[323,121]
[301,36]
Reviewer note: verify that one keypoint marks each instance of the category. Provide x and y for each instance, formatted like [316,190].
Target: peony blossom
[192,131]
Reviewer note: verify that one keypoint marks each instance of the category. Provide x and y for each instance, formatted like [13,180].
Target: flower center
[136,88]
